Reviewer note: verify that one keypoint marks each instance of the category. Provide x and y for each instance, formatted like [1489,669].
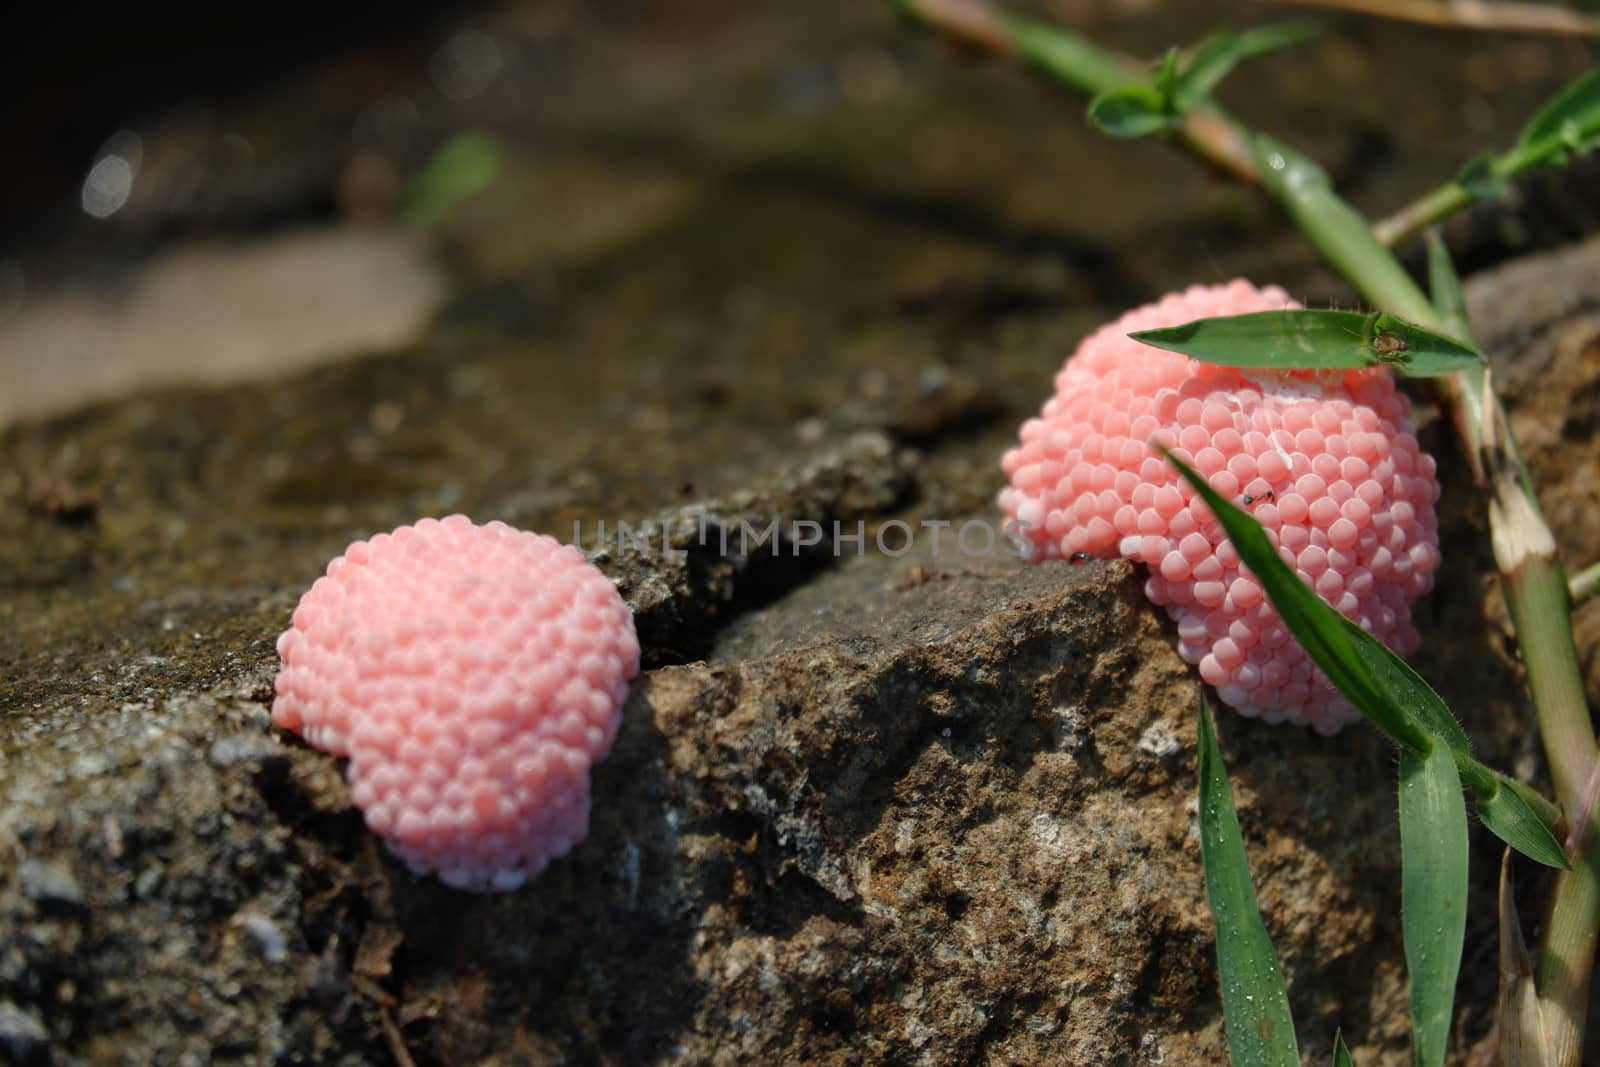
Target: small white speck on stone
[1160,740]
[629,864]
[268,938]
[89,766]
[1047,832]
[1071,731]
[905,833]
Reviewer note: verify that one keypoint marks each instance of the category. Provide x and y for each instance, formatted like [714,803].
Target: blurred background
[195,193]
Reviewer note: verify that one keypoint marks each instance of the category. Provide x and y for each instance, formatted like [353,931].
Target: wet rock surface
[931,807]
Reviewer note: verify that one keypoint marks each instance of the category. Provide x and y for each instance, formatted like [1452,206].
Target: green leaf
[1131,111]
[1254,1005]
[1307,339]
[1402,686]
[1065,56]
[1338,231]
[1381,685]
[1320,629]
[1433,894]
[1217,55]
[1341,1053]
[1519,816]
[1572,136]
[1445,287]
[1568,123]
[1166,77]
[1513,812]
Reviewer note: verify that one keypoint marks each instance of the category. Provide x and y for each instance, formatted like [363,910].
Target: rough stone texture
[974,794]
[928,809]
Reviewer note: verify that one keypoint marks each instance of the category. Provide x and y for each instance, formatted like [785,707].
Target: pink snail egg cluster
[472,675]
[1324,460]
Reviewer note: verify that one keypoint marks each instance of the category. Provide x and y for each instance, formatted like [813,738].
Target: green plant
[1544,1000]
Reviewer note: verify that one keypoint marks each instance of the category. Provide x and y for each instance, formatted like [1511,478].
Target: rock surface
[930,808]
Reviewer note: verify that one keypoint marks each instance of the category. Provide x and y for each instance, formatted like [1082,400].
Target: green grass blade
[1341,1052]
[1433,894]
[1403,686]
[1320,629]
[1567,126]
[1067,57]
[1254,1005]
[1444,285]
[1382,686]
[1568,123]
[1167,74]
[1513,812]
[1339,232]
[1523,819]
[1308,339]
[1216,56]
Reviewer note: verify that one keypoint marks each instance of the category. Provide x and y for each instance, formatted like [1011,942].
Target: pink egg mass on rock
[1324,460]
[472,675]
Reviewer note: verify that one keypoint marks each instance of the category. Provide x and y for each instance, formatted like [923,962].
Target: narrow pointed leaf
[1567,126]
[1444,287]
[1570,122]
[1339,231]
[1433,894]
[1316,625]
[1308,339]
[1254,1005]
[1341,1053]
[1523,819]
[1513,812]
[1067,57]
[1218,54]
[1166,76]
[1132,111]
[1381,685]
[1403,686]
